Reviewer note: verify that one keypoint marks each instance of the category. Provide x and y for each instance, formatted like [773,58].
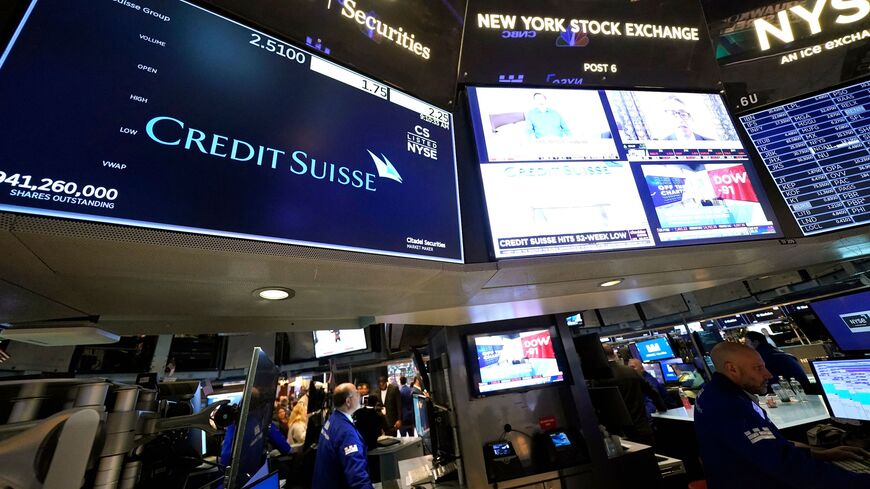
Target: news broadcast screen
[570,170]
[657,349]
[515,360]
[339,341]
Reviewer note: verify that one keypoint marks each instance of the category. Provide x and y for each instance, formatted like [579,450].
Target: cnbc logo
[169,131]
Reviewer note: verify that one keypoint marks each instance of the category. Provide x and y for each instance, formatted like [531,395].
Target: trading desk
[388,458]
[675,433]
[786,415]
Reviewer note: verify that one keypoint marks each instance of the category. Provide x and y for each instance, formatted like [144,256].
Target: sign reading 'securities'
[208,126]
[596,42]
[412,44]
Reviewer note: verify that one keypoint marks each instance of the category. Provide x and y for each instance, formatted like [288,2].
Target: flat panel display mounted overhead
[562,43]
[771,50]
[817,150]
[162,114]
[575,170]
[413,44]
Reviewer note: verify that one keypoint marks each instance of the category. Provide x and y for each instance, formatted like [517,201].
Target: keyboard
[854,466]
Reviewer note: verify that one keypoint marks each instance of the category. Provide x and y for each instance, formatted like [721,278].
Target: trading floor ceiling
[146,281]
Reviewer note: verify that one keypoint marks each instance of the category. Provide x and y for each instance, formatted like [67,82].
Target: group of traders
[739,445]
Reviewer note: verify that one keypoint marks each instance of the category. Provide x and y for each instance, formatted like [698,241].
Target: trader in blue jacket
[741,447]
[778,362]
[341,451]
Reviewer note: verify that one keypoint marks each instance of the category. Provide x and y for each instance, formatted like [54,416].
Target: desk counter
[786,415]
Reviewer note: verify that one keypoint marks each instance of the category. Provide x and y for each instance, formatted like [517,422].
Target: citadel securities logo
[169,131]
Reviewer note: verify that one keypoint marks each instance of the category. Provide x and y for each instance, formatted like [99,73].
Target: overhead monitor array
[568,171]
[209,126]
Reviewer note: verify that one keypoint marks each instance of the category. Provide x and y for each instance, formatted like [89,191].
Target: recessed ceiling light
[274,293]
[611,283]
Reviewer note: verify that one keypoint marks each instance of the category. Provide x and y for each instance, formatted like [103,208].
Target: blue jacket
[742,448]
[781,363]
[341,456]
[407,405]
[662,390]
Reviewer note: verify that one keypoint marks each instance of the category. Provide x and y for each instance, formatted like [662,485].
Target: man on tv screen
[544,122]
[682,120]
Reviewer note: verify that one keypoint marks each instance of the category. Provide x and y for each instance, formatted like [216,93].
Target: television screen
[817,152]
[668,371]
[208,126]
[337,341]
[515,360]
[568,171]
[657,349]
[847,319]
[575,320]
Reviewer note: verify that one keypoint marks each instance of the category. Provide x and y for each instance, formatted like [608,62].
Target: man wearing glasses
[682,120]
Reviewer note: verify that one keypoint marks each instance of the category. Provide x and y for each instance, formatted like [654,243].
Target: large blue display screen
[162,114]
[657,349]
[847,318]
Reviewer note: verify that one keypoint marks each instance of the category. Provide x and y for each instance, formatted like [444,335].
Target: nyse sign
[847,12]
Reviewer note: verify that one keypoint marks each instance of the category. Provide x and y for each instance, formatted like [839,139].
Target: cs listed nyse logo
[420,144]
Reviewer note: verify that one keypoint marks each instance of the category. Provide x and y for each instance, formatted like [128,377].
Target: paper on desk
[415,469]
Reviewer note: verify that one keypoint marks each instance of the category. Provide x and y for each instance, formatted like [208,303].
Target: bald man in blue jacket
[341,452]
[741,447]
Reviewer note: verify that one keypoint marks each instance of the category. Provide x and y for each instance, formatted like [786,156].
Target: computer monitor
[706,340]
[845,387]
[254,420]
[271,481]
[655,369]
[668,371]
[847,319]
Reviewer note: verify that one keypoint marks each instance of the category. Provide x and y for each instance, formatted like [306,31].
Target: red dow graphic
[538,345]
[732,183]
